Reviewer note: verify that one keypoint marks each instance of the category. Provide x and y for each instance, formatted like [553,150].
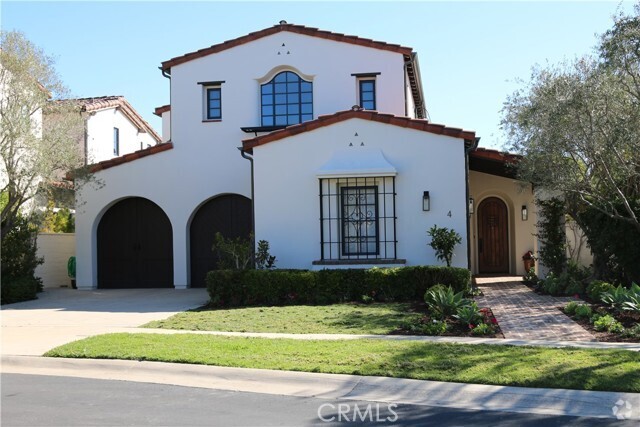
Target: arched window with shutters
[286,100]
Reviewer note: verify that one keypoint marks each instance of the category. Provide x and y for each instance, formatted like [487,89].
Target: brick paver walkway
[523,314]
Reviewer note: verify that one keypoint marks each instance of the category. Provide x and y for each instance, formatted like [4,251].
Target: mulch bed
[628,320]
[454,327]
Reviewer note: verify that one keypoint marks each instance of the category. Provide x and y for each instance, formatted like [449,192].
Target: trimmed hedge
[235,288]
[19,289]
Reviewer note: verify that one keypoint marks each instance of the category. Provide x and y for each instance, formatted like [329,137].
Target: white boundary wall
[55,248]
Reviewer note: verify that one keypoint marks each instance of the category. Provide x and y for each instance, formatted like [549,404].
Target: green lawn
[302,319]
[612,370]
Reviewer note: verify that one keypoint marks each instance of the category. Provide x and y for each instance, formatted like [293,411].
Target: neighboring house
[344,169]
[112,128]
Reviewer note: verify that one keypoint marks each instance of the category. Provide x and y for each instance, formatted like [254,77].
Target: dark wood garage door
[231,216]
[493,244]
[135,246]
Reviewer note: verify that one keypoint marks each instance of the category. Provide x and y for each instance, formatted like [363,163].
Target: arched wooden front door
[135,246]
[231,216]
[493,236]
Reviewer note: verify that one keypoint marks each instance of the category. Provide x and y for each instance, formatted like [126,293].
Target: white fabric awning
[357,161]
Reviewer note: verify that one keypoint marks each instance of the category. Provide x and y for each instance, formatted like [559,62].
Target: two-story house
[317,141]
[112,128]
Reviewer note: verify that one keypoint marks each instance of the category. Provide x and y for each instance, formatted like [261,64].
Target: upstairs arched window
[286,100]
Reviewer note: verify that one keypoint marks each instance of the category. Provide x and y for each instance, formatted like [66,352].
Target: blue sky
[471,53]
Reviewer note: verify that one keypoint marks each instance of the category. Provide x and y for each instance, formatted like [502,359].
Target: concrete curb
[335,386]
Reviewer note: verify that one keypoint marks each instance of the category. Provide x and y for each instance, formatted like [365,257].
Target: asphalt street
[38,400]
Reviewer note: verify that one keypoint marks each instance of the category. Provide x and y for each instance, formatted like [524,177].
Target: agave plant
[617,297]
[444,302]
[469,315]
[633,301]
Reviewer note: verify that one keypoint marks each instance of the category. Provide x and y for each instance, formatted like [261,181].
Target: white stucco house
[112,128]
[322,146]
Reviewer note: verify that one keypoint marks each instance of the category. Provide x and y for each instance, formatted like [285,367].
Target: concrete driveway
[62,315]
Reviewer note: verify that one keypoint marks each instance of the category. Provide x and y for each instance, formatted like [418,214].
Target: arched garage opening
[135,246]
[230,215]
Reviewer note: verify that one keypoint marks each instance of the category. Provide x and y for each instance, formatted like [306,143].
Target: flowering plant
[527,256]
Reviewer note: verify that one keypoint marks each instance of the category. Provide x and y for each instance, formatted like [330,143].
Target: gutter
[420,110]
[472,146]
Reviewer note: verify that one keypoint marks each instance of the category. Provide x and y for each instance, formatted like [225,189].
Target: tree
[444,241]
[578,130]
[36,150]
[578,126]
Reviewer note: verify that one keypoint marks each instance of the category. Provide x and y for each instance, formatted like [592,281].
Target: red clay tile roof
[106,164]
[103,102]
[495,155]
[299,29]
[409,56]
[163,109]
[340,116]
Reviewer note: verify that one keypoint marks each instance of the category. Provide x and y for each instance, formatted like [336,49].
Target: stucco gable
[284,26]
[390,119]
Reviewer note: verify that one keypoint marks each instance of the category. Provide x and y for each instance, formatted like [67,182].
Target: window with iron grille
[357,218]
[286,100]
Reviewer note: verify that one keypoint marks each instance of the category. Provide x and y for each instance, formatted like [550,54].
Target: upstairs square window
[286,100]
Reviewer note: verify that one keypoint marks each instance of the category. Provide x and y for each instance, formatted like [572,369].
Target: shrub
[483,329]
[469,315]
[18,251]
[633,299]
[615,244]
[583,311]
[18,262]
[552,285]
[531,276]
[19,289]
[616,297]
[444,241]
[632,332]
[570,308]
[598,287]
[232,253]
[277,287]
[445,302]
[435,327]
[551,232]
[607,323]
[264,260]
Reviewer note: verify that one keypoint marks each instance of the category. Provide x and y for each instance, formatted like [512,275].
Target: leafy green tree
[578,126]
[38,136]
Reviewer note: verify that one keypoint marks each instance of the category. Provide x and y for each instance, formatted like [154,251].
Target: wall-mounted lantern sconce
[426,201]
[525,213]
[471,201]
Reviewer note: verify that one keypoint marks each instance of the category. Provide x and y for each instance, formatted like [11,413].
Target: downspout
[471,147]
[253,206]
[167,74]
